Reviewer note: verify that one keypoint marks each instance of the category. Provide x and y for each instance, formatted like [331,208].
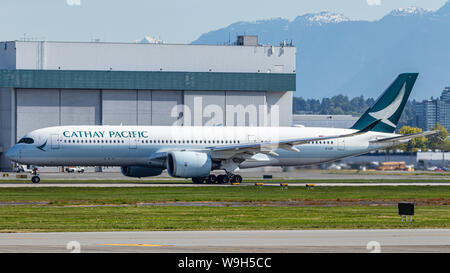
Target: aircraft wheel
[211,179]
[197,180]
[237,178]
[35,179]
[222,179]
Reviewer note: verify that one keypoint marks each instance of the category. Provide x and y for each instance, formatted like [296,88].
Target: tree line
[342,105]
[438,141]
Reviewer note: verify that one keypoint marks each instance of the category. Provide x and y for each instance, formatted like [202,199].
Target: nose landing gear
[35,179]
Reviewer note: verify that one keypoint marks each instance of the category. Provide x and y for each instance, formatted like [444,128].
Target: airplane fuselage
[134,145]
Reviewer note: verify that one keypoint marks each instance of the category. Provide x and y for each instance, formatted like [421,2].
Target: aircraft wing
[268,147]
[405,138]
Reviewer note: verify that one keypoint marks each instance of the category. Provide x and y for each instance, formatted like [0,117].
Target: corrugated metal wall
[80,107]
[39,108]
[280,107]
[166,107]
[119,107]
[144,107]
[152,57]
[36,109]
[243,108]
[204,108]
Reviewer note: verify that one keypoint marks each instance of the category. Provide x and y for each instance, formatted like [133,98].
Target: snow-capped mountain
[337,55]
[409,11]
[150,40]
[322,18]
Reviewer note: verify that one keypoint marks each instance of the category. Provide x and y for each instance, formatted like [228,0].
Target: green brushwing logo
[386,113]
[41,147]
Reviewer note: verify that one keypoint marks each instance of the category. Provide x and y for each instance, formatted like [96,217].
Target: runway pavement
[309,175]
[294,241]
[128,184]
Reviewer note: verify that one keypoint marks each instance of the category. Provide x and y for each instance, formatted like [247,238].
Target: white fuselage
[134,145]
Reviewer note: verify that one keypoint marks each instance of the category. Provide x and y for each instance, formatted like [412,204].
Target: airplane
[195,151]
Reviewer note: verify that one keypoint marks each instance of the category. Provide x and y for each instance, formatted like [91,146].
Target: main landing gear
[220,179]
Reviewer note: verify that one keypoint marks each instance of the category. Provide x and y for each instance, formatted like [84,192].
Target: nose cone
[13,153]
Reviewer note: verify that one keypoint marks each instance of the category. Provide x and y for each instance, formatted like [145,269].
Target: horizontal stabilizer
[405,137]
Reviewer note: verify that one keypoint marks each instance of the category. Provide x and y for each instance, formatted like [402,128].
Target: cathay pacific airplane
[193,152]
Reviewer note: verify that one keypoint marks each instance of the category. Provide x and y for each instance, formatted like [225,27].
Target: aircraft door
[251,138]
[341,144]
[133,143]
[54,141]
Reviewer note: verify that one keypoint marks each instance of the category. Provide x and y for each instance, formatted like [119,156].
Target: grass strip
[55,219]
[133,195]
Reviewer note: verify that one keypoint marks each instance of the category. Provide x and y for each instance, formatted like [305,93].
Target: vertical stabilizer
[389,106]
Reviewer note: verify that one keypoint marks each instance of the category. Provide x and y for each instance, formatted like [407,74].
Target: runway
[279,241]
[129,184]
[307,175]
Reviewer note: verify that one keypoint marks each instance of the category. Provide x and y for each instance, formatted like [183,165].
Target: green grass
[50,219]
[70,208]
[133,195]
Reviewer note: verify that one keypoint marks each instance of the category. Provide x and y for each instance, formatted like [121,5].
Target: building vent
[247,40]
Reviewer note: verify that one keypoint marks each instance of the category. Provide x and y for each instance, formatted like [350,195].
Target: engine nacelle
[188,164]
[139,171]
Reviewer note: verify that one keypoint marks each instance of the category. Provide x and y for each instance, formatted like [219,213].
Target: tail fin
[389,106]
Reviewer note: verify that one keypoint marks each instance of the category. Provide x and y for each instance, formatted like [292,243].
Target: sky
[174,21]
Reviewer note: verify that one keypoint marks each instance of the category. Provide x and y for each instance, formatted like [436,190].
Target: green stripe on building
[140,80]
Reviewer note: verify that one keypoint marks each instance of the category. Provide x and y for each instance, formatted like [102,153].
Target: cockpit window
[26,140]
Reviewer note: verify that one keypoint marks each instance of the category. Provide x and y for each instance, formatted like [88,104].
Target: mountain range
[336,55]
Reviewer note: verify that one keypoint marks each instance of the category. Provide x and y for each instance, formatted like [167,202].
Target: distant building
[332,121]
[44,83]
[426,114]
[429,112]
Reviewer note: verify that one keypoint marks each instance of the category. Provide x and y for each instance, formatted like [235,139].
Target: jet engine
[188,164]
[139,171]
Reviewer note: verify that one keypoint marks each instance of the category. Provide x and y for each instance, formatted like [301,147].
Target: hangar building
[46,84]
